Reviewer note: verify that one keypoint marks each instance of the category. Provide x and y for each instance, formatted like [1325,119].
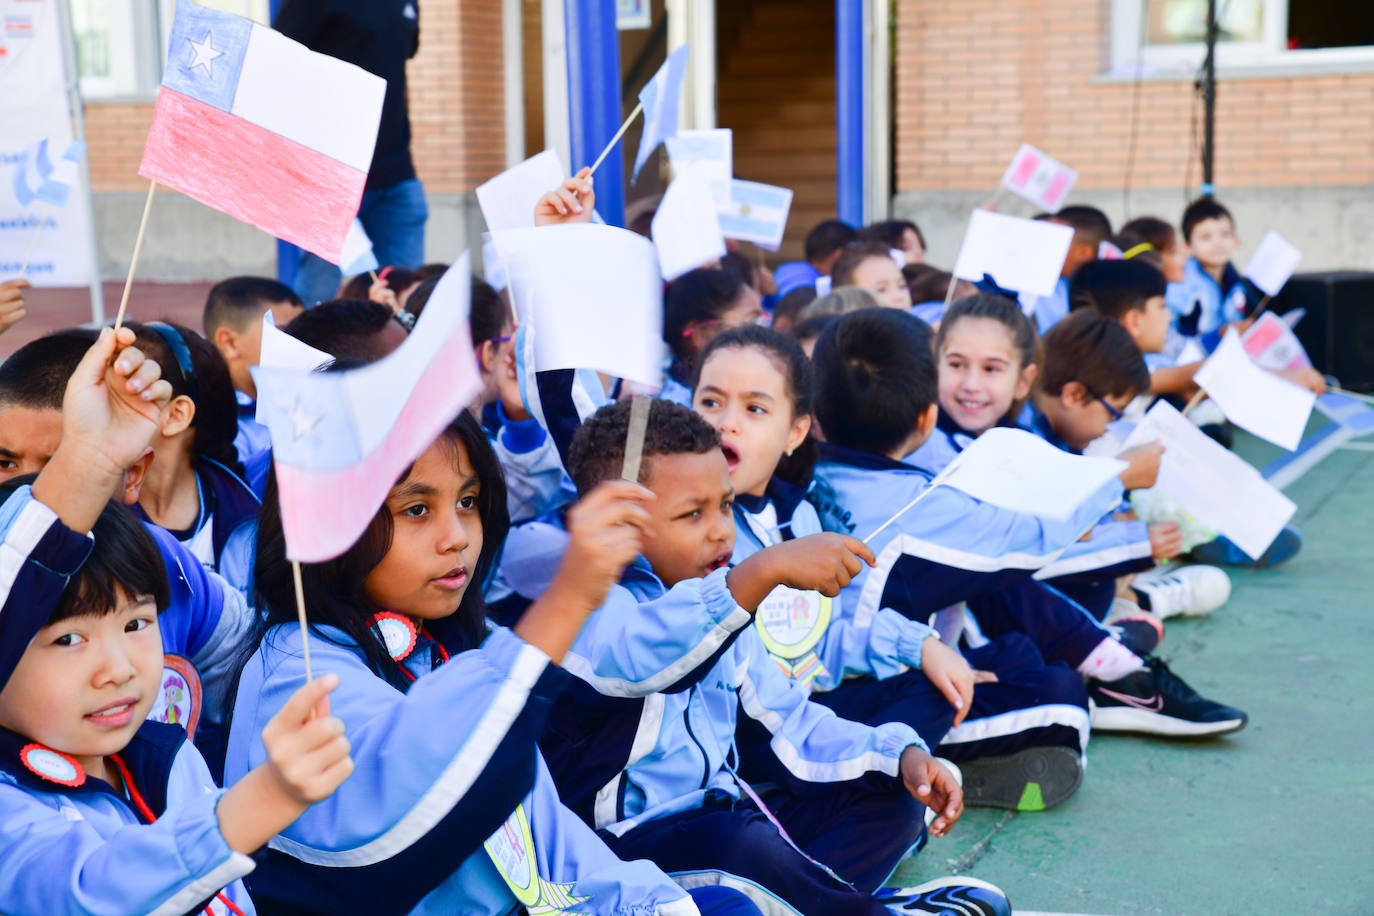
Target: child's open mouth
[719,562]
[732,457]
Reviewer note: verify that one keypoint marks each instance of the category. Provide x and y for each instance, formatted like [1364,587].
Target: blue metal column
[850,128]
[594,98]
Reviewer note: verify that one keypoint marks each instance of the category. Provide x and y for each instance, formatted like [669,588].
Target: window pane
[1329,24]
[91,25]
[1169,22]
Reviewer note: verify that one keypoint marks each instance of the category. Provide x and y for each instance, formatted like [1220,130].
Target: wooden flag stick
[616,139]
[133,262]
[300,614]
[1259,310]
[634,437]
[1197,399]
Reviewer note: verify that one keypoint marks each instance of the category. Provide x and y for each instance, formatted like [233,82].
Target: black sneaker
[1030,780]
[1155,701]
[956,895]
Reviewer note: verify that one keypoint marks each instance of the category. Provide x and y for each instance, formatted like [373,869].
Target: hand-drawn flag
[1039,178]
[661,98]
[253,124]
[341,439]
[37,177]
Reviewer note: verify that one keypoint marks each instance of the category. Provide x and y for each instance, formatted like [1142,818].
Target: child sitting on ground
[1212,294]
[87,786]
[1090,229]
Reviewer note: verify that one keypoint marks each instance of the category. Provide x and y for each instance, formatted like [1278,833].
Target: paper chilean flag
[260,127]
[341,439]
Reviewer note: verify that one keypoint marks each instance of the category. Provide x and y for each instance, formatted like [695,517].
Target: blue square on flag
[205,54]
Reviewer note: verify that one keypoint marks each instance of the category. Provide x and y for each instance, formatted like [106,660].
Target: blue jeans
[394,219]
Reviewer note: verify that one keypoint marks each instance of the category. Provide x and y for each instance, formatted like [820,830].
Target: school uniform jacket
[805,633]
[69,848]
[948,548]
[1201,306]
[663,674]
[448,783]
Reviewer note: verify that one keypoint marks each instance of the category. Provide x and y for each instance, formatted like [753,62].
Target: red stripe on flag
[1024,169]
[252,174]
[324,512]
[1054,194]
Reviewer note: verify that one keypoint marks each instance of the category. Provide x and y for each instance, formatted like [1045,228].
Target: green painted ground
[1278,818]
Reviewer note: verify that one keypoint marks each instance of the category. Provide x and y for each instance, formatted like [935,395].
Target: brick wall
[457,108]
[975,78]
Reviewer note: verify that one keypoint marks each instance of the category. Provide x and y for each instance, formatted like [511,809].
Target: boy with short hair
[643,743]
[87,786]
[1212,294]
[233,323]
[822,246]
[1091,228]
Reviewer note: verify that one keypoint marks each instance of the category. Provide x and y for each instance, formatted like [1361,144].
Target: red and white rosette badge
[54,766]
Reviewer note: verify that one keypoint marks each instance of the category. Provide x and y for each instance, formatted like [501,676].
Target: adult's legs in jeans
[394,219]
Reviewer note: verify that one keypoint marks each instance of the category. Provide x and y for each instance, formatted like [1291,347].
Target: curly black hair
[597,452]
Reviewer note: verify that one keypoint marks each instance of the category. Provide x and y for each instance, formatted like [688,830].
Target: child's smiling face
[981,375]
[86,683]
[692,520]
[742,392]
[436,536]
[1213,242]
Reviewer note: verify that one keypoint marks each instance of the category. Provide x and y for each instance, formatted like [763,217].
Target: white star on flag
[205,52]
[303,421]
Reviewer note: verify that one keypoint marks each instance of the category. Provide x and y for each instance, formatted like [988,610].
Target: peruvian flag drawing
[260,127]
[1039,178]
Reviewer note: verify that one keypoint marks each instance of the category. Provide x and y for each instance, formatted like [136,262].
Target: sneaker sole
[1144,722]
[1030,780]
[893,897]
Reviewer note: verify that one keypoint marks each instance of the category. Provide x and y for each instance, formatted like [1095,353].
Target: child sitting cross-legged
[103,811]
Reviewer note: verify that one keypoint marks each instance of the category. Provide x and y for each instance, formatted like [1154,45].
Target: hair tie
[1138,249]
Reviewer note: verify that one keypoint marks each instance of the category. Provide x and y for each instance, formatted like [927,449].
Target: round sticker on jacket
[398,634]
[54,766]
[791,622]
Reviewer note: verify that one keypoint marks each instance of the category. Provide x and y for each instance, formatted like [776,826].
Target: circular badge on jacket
[54,766]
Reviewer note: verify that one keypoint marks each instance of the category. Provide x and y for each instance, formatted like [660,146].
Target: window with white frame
[120,44]
[1170,35]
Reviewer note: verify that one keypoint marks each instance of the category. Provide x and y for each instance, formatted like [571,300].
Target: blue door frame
[594,110]
[851,110]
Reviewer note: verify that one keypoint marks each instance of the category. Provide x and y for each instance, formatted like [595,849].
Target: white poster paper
[508,200]
[685,229]
[1253,399]
[1018,470]
[592,295]
[1213,483]
[1272,263]
[1024,255]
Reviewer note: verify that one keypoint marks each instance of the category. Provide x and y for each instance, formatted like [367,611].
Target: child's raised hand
[1166,540]
[570,202]
[606,532]
[1142,466]
[114,402]
[951,675]
[382,294]
[1306,377]
[307,759]
[934,786]
[12,302]
[307,752]
[824,563]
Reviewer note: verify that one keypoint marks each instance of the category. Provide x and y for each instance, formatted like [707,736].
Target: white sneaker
[1188,591]
[954,771]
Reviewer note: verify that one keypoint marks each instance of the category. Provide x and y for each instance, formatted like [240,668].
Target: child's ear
[1073,394]
[134,475]
[226,341]
[180,413]
[800,427]
[1131,321]
[926,424]
[486,356]
[1025,383]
